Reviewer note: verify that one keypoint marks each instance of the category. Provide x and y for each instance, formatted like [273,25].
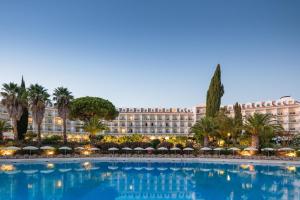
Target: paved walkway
[164,160]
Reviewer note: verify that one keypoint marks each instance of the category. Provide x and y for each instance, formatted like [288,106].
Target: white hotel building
[170,121]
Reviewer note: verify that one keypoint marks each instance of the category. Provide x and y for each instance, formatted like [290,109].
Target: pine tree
[214,94]
[22,124]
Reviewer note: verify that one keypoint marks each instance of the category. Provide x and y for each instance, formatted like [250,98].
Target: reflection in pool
[103,180]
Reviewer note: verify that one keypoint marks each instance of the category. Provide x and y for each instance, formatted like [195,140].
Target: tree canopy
[214,94]
[85,108]
[22,124]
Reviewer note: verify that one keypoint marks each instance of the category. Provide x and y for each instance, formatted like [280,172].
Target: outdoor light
[50,153]
[86,152]
[152,138]
[291,154]
[246,153]
[7,152]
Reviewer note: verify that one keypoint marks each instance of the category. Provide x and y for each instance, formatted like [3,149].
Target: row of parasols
[65,148]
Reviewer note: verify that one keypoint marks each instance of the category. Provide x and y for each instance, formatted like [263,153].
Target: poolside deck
[161,160]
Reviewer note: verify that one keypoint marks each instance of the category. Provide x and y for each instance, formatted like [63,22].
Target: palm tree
[12,101]
[4,126]
[257,124]
[63,98]
[38,98]
[205,127]
[94,126]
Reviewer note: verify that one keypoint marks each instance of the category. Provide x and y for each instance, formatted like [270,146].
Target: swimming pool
[124,181]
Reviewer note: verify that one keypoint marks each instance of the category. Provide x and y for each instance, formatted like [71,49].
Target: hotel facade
[168,121]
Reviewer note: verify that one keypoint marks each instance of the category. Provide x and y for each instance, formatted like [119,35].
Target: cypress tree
[238,117]
[214,94]
[22,124]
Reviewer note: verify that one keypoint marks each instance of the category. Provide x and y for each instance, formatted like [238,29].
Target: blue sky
[153,53]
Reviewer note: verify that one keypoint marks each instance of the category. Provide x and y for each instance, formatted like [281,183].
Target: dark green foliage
[165,144]
[30,136]
[85,108]
[55,139]
[22,124]
[106,145]
[154,143]
[4,126]
[238,117]
[214,94]
[135,144]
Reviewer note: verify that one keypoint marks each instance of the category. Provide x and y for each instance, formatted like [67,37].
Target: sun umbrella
[126,148]
[188,149]
[149,149]
[12,148]
[286,149]
[47,148]
[94,149]
[175,149]
[162,149]
[79,148]
[250,149]
[219,149]
[30,148]
[113,149]
[65,149]
[205,149]
[268,149]
[233,149]
[139,149]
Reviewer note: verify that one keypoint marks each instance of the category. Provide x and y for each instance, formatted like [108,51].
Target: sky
[153,53]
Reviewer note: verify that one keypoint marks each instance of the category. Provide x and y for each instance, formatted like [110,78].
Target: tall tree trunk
[39,134]
[205,141]
[1,136]
[15,129]
[255,141]
[65,130]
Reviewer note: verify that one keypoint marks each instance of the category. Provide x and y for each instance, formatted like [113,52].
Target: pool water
[107,180]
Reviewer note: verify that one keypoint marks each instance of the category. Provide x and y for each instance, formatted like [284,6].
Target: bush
[104,146]
[154,143]
[135,144]
[55,139]
[165,144]
[30,136]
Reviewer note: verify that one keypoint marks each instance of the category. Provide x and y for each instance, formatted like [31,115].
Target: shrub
[55,139]
[165,144]
[30,136]
[104,146]
[154,143]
